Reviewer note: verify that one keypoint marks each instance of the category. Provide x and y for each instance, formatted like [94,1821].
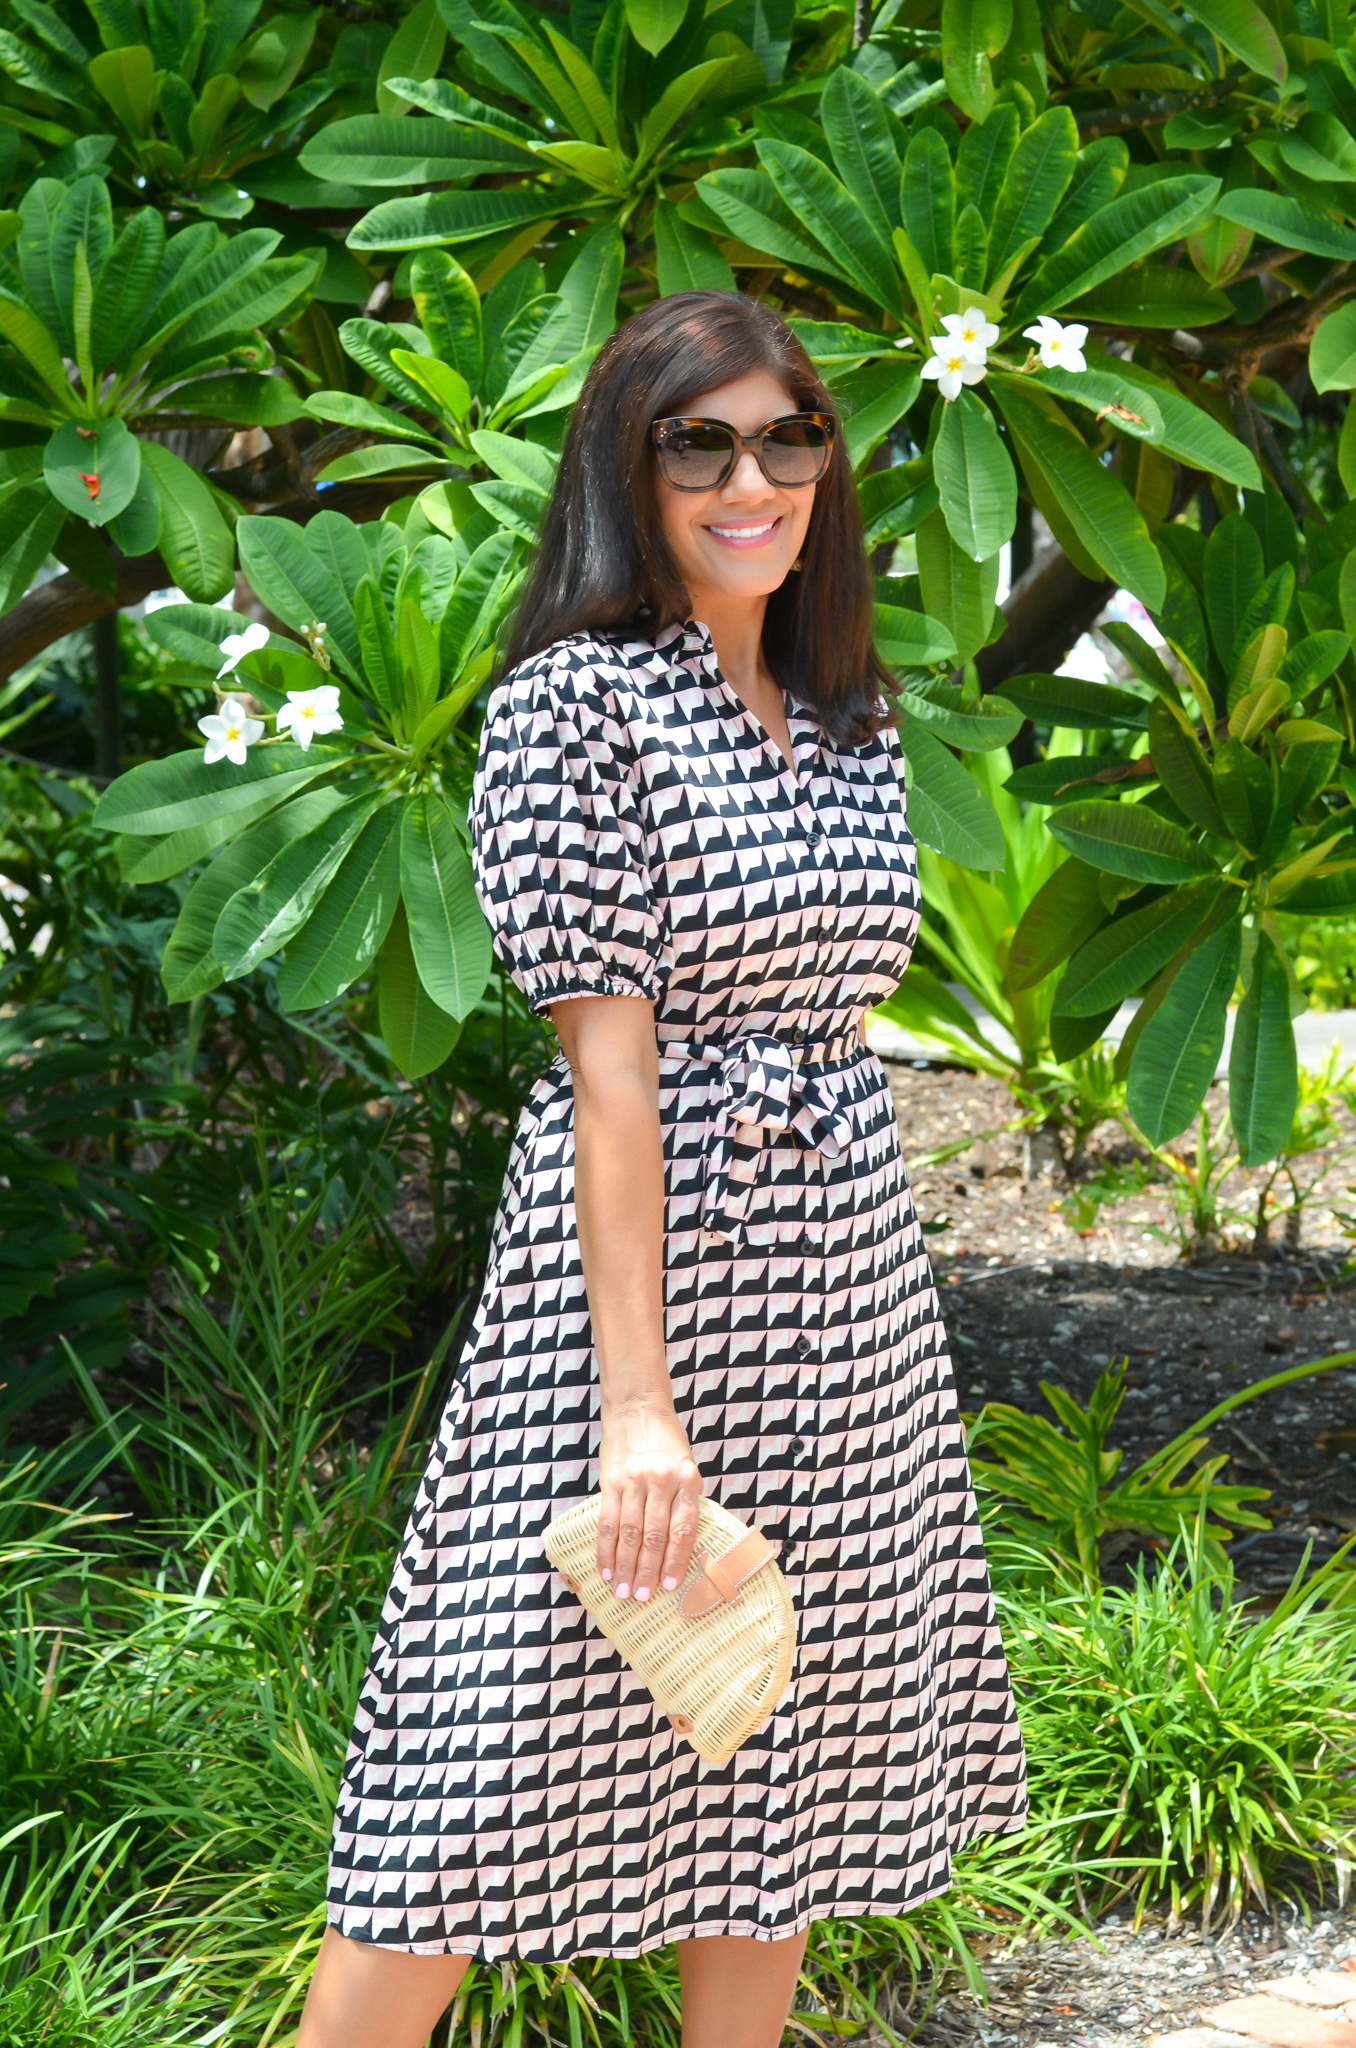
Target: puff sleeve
[558,840]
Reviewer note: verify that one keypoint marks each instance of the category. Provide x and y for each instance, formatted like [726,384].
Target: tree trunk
[66,603]
[1047,612]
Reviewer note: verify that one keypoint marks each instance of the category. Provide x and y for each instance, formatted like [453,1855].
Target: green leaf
[391,149]
[189,967]
[297,582]
[1073,701]
[348,411]
[1244,29]
[686,259]
[181,791]
[927,200]
[1064,912]
[126,79]
[518,461]
[29,524]
[1096,504]
[747,205]
[982,162]
[1234,570]
[1245,791]
[240,398]
[976,727]
[449,390]
[1332,352]
[1320,148]
[1120,234]
[1130,840]
[35,345]
[419,1036]
[975,478]
[84,217]
[273,56]
[94,469]
[1131,950]
[947,809]
[1263,1066]
[448,306]
[278,897]
[589,289]
[872,400]
[1037,179]
[1178,1050]
[896,500]
[433,217]
[908,639]
[1189,432]
[973,32]
[448,932]
[380,661]
[863,147]
[1182,768]
[123,288]
[346,927]
[1153,295]
[958,592]
[654,23]
[856,249]
[415,51]
[196,542]
[1291,223]
[136,530]
[372,343]
[1314,660]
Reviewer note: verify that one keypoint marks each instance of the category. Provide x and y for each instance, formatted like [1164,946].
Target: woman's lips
[753,534]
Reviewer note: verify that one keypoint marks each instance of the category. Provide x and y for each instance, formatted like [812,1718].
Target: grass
[176,1696]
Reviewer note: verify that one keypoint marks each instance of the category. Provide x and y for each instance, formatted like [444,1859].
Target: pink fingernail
[607,1571]
[642,1592]
[622,1592]
[670,1585]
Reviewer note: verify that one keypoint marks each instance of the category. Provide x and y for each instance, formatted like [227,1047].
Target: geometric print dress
[512,1790]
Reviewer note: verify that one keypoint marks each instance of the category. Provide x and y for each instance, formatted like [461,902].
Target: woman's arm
[649,1479]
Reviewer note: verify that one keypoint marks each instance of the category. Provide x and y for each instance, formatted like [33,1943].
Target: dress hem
[745,1929]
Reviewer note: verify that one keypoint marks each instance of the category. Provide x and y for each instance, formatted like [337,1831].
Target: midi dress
[512,1790]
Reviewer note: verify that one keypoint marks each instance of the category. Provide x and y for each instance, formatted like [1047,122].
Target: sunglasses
[700,455]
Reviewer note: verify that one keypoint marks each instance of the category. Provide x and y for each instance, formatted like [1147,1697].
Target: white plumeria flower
[309,712]
[1061,348]
[229,732]
[969,331]
[237,645]
[952,368]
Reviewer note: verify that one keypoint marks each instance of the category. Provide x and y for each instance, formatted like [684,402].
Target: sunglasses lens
[695,457]
[795,451]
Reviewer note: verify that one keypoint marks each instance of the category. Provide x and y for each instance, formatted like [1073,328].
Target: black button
[797,1446]
[812,838]
[798,1035]
[805,1245]
[804,1347]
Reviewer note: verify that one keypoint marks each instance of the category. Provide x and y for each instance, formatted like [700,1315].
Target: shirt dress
[512,1790]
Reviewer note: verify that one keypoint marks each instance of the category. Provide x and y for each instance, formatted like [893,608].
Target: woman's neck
[736,629]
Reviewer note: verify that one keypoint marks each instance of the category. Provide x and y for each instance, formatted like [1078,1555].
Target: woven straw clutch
[717,1653]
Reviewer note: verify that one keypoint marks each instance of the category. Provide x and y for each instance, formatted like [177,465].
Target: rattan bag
[717,1653]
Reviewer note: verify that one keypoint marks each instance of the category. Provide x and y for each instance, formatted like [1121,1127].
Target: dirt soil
[1119,1988]
[1028,1299]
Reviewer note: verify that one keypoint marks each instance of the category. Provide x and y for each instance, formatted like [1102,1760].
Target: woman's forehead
[747,402]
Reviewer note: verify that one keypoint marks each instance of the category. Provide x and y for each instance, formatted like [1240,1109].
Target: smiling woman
[707,1271]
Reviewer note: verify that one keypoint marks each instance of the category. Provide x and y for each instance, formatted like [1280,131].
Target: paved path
[1314,1034]
[1313,2009]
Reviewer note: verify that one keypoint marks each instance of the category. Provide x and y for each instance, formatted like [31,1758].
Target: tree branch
[1095,121]
[65,603]
[1046,612]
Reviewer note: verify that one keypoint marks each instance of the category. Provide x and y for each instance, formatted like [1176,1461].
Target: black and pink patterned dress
[511,1789]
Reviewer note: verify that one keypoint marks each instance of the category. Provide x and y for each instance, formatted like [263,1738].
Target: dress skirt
[512,1790]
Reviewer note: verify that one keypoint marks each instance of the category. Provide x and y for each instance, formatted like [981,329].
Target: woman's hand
[650,1487]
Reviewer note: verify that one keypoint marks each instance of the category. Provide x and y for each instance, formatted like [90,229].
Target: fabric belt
[766,1085]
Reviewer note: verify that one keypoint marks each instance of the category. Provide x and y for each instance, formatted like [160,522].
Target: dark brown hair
[602,561]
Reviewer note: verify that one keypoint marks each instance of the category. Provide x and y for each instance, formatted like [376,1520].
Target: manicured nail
[642,1592]
[622,1592]
[670,1585]
[607,1572]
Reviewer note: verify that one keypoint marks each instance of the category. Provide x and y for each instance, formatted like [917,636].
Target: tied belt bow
[764,1087]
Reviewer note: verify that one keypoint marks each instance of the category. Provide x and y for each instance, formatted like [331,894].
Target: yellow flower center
[967,334]
[1052,346]
[308,711]
[233,732]
[953,362]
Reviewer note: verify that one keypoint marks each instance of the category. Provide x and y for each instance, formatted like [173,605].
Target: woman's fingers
[682,1534]
[630,1535]
[609,1522]
[658,1510]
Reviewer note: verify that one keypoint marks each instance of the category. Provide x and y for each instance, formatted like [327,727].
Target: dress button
[813,838]
[798,1035]
[797,1446]
[804,1347]
[805,1245]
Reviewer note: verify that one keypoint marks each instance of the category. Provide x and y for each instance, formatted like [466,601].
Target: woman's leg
[365,1997]
[737,1992]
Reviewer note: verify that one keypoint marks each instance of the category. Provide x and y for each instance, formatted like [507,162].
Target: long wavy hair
[602,562]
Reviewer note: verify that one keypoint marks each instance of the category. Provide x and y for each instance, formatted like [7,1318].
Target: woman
[706,1269]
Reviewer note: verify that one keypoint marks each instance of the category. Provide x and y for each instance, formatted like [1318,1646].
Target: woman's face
[740,539]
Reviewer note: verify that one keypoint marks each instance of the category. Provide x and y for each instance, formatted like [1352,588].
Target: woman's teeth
[742,532]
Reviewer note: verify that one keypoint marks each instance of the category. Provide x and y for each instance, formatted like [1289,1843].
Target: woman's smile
[750,535]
